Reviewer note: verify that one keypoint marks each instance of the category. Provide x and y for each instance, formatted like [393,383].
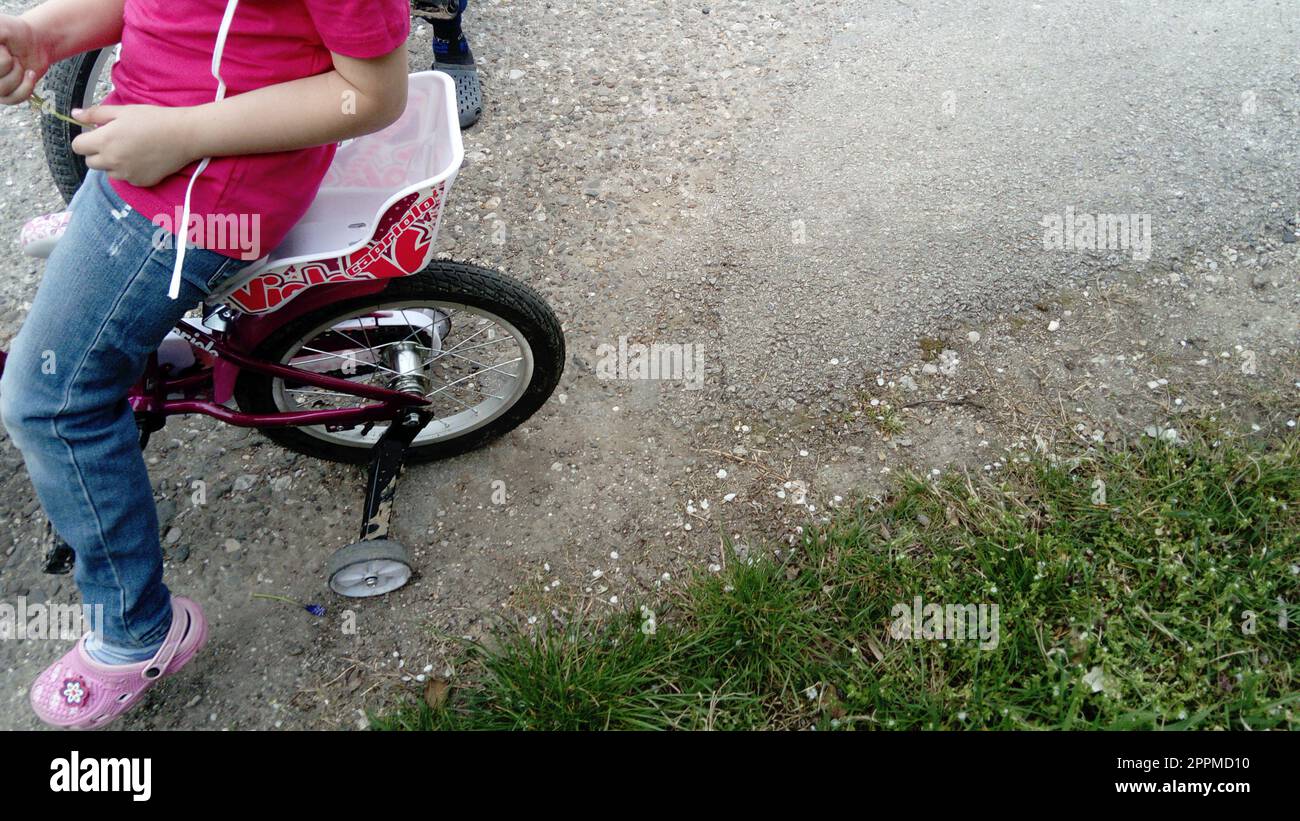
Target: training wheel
[370,568]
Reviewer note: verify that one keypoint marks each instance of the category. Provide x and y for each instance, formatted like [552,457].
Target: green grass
[1150,589]
[883,415]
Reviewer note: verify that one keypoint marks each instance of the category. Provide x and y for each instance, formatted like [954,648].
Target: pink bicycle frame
[150,396]
[203,392]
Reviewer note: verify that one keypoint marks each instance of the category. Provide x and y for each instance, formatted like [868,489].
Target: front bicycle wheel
[77,82]
[485,350]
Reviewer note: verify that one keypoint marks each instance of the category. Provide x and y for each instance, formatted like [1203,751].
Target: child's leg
[451,53]
[101,309]
[449,43]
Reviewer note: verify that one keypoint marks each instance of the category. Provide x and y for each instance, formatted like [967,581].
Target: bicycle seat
[376,214]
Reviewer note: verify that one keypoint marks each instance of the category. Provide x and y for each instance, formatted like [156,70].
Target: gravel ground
[839,208]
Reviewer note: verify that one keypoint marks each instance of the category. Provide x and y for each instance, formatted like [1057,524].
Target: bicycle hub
[408,364]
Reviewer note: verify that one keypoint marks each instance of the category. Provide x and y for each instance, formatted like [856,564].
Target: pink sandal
[79,693]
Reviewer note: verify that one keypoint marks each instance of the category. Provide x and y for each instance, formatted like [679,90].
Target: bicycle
[350,342]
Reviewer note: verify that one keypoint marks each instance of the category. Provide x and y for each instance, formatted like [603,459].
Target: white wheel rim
[370,577]
[99,78]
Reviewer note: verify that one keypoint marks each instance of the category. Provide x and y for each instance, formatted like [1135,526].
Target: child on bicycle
[296,77]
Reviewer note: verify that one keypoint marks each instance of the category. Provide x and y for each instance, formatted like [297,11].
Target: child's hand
[23,60]
[140,144]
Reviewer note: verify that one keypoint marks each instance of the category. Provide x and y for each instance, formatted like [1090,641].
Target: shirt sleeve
[361,28]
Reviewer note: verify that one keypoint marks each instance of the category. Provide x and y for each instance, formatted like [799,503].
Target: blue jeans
[100,310]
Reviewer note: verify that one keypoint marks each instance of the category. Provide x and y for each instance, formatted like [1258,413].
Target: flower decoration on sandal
[74,692]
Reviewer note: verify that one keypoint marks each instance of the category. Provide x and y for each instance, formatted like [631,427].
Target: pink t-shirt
[166,60]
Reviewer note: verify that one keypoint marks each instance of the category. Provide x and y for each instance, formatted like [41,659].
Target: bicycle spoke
[471,376]
[362,348]
[375,365]
[458,356]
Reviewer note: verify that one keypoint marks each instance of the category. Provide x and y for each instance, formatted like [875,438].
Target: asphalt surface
[807,194]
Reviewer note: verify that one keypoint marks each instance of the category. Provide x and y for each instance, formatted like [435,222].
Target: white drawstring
[184,229]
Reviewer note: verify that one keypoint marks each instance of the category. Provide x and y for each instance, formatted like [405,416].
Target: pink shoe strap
[161,660]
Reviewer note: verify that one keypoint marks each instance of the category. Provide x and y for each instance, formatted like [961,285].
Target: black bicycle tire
[65,89]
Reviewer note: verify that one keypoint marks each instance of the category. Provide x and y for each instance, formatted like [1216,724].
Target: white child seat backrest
[371,173]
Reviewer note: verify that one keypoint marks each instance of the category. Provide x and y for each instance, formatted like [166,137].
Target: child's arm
[142,144]
[52,31]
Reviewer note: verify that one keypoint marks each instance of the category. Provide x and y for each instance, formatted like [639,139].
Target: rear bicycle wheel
[77,82]
[485,350]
